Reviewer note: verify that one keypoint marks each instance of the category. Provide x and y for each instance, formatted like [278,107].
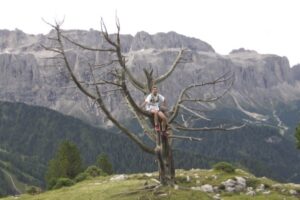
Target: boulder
[207,188]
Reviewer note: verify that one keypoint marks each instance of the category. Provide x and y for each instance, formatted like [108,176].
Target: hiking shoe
[157,128]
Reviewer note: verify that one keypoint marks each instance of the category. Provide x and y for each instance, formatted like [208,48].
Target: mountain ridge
[262,80]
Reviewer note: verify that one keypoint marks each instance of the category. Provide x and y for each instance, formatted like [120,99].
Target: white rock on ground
[266,192]
[237,185]
[176,187]
[196,188]
[241,181]
[207,188]
[217,197]
[251,193]
[229,183]
[188,179]
[260,188]
[293,192]
[120,177]
[148,174]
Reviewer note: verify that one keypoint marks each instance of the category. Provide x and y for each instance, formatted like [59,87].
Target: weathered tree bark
[165,160]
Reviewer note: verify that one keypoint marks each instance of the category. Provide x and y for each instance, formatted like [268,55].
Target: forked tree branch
[86,47]
[183,93]
[130,99]
[216,128]
[185,138]
[134,81]
[194,112]
[172,68]
[98,97]
[122,62]
[73,76]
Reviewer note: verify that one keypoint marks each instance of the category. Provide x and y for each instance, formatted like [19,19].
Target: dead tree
[120,77]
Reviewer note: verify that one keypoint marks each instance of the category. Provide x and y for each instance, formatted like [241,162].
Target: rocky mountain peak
[143,40]
[28,77]
[296,72]
[242,50]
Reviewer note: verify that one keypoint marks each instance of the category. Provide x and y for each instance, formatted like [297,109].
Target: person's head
[154,90]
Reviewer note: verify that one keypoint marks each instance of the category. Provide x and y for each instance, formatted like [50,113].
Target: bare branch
[102,81]
[51,38]
[52,49]
[183,93]
[149,77]
[87,48]
[193,112]
[143,123]
[168,73]
[106,36]
[121,58]
[185,138]
[134,81]
[67,64]
[124,71]
[100,66]
[53,26]
[125,130]
[114,90]
[213,98]
[100,101]
[128,96]
[217,128]
[118,28]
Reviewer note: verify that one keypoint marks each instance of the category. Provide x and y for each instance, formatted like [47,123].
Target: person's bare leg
[164,120]
[154,112]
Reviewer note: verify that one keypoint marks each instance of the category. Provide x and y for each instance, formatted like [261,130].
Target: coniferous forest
[29,137]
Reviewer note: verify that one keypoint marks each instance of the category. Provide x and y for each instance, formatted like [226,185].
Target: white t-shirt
[153,102]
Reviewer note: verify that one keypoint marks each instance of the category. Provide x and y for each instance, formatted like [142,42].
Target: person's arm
[165,103]
[145,102]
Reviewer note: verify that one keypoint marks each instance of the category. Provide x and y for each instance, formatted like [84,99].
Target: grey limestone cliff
[28,75]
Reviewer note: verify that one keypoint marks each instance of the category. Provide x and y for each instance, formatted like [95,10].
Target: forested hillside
[30,135]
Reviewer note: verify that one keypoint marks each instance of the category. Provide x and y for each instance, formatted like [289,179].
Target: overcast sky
[267,26]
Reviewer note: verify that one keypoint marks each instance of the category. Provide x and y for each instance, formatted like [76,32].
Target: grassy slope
[101,188]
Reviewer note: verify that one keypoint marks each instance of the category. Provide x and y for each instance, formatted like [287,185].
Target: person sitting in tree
[156,104]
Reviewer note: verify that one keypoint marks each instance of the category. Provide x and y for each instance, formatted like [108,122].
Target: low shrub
[225,167]
[33,190]
[81,177]
[252,182]
[94,171]
[63,182]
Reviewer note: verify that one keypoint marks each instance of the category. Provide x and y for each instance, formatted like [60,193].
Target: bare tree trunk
[165,160]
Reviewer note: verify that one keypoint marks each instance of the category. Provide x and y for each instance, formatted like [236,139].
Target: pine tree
[104,163]
[67,163]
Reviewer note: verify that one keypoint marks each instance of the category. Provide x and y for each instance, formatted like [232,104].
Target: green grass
[101,188]
[272,196]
